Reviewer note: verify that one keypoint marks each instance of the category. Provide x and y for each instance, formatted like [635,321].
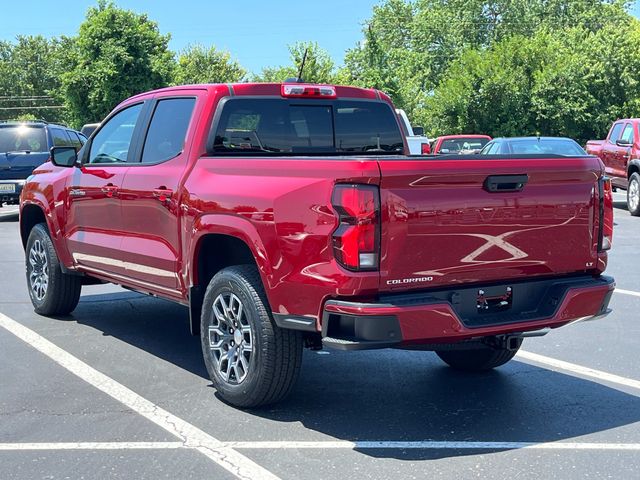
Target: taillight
[426,148]
[299,90]
[356,241]
[606,215]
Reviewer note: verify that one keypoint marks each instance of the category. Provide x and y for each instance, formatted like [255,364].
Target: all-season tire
[52,291]
[633,194]
[250,360]
[477,359]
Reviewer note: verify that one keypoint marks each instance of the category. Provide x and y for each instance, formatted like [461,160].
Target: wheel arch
[633,167]
[31,214]
[222,242]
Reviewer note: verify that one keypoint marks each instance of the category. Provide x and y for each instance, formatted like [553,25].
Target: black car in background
[540,145]
[24,145]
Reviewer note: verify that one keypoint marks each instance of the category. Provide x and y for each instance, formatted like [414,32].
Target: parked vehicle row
[24,145]
[289,215]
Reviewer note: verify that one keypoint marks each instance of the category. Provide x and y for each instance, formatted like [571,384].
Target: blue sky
[256,32]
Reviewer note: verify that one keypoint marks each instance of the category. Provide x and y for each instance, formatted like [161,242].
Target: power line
[44,107]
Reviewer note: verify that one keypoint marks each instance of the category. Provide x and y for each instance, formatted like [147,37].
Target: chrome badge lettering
[404,281]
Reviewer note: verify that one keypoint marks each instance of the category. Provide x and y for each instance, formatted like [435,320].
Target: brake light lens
[606,214]
[356,240]
[426,148]
[301,90]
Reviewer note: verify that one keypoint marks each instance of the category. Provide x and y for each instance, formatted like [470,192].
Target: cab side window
[111,144]
[59,138]
[167,130]
[615,133]
[627,133]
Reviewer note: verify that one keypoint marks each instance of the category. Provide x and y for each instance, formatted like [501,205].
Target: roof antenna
[299,79]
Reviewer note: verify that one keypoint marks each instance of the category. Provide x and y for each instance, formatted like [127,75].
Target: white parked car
[417,140]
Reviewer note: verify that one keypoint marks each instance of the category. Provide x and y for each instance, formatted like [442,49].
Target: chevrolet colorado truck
[287,216]
[620,153]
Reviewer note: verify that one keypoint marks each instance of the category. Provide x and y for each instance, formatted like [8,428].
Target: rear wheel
[633,194]
[250,360]
[52,291]
[477,359]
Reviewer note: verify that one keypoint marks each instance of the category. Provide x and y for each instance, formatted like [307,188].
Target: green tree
[117,53]
[409,46]
[28,78]
[197,64]
[318,66]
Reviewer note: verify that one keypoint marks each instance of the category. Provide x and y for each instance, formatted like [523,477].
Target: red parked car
[459,144]
[287,216]
[620,153]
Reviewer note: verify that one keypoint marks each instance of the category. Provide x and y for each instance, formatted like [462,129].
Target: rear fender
[232,226]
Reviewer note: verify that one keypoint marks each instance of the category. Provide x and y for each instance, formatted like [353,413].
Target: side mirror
[418,131]
[444,150]
[623,143]
[63,156]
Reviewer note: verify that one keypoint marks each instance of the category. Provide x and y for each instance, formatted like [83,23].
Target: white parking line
[627,292]
[579,369]
[429,445]
[191,436]
[93,446]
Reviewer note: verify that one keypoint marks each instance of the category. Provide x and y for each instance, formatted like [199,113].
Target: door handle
[110,190]
[163,194]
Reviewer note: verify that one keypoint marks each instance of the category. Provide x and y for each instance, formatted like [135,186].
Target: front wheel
[633,195]
[477,359]
[52,291]
[250,361]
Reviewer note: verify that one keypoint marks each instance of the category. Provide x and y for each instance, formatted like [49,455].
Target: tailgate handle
[505,183]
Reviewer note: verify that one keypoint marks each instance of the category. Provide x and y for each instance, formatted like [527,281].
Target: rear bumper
[8,196]
[449,317]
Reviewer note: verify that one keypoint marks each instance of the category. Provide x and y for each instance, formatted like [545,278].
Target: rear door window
[277,126]
[167,130]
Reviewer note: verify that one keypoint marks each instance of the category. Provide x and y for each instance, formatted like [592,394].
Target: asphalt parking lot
[119,390]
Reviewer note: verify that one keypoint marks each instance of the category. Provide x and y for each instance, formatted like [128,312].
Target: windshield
[554,146]
[455,145]
[280,126]
[20,138]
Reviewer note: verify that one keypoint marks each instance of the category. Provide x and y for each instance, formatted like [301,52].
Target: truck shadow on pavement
[394,395]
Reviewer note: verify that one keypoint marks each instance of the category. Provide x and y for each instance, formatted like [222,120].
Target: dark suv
[24,145]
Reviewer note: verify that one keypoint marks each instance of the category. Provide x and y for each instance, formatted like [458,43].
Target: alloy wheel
[634,194]
[230,338]
[39,270]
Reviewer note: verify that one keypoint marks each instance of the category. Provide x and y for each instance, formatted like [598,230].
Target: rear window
[458,144]
[278,126]
[21,138]
[553,146]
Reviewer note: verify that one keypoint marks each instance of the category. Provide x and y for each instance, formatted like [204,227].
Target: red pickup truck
[620,153]
[287,216]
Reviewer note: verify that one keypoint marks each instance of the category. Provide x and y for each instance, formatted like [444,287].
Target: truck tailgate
[442,226]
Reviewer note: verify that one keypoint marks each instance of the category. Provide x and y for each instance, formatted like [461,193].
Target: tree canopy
[502,67]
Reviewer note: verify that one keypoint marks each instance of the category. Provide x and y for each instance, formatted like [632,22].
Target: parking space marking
[432,445]
[579,369]
[190,435]
[93,446]
[627,292]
